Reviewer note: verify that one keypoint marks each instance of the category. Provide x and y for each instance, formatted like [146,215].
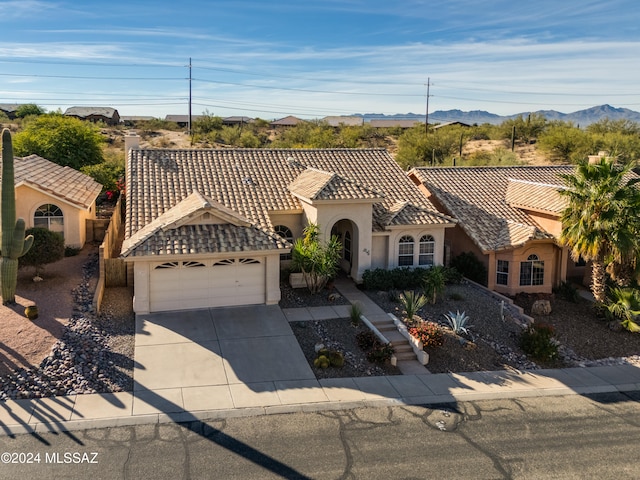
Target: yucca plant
[412,302]
[458,322]
[624,304]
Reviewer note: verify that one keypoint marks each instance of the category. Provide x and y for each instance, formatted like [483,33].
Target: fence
[113,271]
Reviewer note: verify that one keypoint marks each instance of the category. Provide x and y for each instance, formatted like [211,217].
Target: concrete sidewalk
[179,405]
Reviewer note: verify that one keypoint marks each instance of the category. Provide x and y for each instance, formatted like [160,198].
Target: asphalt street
[573,437]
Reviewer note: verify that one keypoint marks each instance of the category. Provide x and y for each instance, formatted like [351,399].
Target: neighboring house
[397,123]
[58,198]
[450,124]
[9,109]
[133,120]
[344,121]
[108,115]
[510,218]
[182,120]
[235,121]
[289,121]
[210,227]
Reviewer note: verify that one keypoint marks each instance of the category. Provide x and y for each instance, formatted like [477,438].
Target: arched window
[405,251]
[347,246]
[427,251]
[286,233]
[49,216]
[532,271]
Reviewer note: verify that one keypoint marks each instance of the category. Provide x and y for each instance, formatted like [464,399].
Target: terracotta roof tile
[535,196]
[254,182]
[63,182]
[314,184]
[477,197]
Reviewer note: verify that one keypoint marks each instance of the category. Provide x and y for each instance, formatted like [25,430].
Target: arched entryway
[348,235]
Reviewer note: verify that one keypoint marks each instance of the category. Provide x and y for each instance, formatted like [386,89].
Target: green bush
[434,282]
[567,291]
[470,266]
[48,247]
[537,341]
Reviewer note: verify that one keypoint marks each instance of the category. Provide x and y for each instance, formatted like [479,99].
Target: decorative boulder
[541,307]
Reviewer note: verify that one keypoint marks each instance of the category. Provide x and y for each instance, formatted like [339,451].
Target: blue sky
[312,58]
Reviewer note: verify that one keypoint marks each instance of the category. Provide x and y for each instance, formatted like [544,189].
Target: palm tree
[600,223]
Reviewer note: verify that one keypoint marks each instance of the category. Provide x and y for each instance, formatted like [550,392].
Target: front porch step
[404,356]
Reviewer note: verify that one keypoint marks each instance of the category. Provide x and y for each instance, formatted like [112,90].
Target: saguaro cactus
[14,243]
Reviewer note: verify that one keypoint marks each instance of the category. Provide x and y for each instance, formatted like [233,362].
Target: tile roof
[287,121]
[86,111]
[255,182]
[489,201]
[63,182]
[171,234]
[314,184]
[535,196]
[336,121]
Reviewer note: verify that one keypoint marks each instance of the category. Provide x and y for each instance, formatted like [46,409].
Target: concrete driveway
[239,356]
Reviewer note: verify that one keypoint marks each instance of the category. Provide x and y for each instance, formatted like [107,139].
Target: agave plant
[624,304]
[411,303]
[458,322]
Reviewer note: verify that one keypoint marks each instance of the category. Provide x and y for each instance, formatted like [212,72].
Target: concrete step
[403,348]
[404,356]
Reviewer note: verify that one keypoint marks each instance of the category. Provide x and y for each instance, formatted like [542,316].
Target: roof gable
[198,213]
[65,183]
[314,184]
[487,201]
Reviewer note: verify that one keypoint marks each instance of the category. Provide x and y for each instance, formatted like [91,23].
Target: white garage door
[201,284]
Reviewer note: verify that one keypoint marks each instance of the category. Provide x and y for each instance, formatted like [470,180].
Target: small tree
[317,262]
[64,140]
[48,247]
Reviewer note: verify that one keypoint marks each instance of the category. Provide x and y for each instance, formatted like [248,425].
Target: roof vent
[248,181]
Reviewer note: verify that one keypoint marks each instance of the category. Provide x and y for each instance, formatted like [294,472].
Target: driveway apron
[217,346]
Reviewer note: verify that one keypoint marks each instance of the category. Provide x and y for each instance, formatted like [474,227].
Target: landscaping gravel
[94,354]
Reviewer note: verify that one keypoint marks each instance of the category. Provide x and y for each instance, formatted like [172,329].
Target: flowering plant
[429,333]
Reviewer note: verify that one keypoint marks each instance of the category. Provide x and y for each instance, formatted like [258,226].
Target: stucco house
[108,115]
[211,227]
[509,217]
[55,197]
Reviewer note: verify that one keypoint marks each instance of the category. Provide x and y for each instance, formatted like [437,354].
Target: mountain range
[580,118]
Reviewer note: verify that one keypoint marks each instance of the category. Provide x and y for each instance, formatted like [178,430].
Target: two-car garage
[185,285]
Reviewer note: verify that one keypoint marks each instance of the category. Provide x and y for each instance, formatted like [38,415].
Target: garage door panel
[225,282]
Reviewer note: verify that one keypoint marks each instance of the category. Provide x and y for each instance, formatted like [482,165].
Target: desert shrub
[429,333]
[567,291]
[374,349]
[71,251]
[48,247]
[471,267]
[538,342]
[434,282]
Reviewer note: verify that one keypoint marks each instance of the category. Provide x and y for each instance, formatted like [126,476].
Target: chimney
[131,140]
[593,159]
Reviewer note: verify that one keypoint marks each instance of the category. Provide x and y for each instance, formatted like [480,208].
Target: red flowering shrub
[429,333]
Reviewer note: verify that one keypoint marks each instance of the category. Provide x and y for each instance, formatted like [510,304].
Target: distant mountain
[581,117]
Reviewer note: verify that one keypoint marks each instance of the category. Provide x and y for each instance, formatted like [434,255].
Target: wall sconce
[367,251]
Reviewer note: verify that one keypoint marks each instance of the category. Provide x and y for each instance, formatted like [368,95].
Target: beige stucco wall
[549,223]
[28,200]
[546,251]
[380,251]
[436,231]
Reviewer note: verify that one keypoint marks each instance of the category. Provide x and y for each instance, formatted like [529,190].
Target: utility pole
[426,118]
[189,129]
